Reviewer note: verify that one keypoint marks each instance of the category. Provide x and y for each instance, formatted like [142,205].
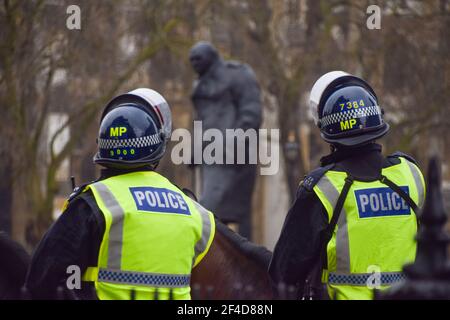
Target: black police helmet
[134,130]
[346,110]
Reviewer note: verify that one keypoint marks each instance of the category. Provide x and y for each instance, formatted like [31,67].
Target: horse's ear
[189,193]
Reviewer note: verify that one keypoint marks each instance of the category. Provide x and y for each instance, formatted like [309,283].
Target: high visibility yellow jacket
[153,238]
[374,236]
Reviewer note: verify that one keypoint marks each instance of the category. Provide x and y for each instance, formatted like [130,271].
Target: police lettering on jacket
[159,200]
[378,202]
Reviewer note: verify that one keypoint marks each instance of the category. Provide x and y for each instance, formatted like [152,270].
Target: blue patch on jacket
[159,200]
[380,202]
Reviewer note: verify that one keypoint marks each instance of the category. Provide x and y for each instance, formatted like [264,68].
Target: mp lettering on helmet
[346,110]
[161,200]
[117,131]
[348,124]
[381,202]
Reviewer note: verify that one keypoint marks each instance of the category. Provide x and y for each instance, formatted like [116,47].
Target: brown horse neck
[232,273]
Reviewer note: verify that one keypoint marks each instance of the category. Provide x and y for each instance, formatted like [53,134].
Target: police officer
[352,225]
[132,232]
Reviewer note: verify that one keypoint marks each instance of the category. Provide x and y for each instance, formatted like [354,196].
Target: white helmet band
[319,88]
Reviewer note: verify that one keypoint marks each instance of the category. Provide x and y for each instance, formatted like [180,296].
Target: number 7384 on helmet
[346,110]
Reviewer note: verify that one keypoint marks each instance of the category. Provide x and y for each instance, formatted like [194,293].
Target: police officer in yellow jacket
[352,225]
[132,232]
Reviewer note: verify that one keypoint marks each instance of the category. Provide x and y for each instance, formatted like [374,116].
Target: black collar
[344,153]
[363,163]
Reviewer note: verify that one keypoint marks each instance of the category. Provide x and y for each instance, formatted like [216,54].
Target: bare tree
[35,46]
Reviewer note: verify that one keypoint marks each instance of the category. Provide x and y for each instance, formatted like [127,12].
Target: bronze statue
[226,96]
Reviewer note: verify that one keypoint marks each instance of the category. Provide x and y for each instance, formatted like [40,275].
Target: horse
[234,268]
[14,263]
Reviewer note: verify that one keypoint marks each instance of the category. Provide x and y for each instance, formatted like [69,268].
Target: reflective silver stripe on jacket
[144,278]
[418,181]
[113,273]
[362,279]
[202,243]
[116,230]
[342,242]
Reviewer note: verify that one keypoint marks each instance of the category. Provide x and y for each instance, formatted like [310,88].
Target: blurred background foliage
[54,82]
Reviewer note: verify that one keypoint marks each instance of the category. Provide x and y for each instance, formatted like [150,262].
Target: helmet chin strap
[333,148]
[153,166]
